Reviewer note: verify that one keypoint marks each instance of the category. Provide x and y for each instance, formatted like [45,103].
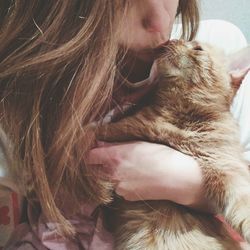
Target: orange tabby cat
[190,112]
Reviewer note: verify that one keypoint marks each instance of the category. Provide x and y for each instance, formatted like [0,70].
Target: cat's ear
[237,76]
[239,66]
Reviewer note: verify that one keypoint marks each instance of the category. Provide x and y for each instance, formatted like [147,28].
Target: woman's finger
[97,156]
[108,156]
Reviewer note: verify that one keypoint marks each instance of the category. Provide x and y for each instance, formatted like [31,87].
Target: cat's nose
[175,42]
[161,49]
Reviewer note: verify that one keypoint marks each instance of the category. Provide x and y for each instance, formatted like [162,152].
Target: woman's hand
[149,171]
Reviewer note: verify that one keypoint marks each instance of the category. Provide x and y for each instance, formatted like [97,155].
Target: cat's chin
[153,72]
[153,75]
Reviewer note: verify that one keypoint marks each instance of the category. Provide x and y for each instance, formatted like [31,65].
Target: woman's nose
[157,19]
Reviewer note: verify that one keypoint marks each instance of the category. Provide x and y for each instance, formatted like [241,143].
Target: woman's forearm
[179,177]
[149,171]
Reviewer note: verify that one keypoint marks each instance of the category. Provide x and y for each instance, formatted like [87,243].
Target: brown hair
[54,81]
[190,18]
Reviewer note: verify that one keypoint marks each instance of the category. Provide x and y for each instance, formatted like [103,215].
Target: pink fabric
[10,206]
[41,234]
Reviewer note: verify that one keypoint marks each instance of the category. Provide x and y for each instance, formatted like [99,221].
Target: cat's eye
[198,47]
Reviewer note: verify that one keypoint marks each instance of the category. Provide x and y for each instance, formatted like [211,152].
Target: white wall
[235,11]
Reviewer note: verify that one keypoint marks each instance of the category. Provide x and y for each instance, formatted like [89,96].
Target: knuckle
[121,190]
[114,157]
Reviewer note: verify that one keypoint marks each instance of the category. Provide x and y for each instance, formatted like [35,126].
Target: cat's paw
[238,215]
[246,229]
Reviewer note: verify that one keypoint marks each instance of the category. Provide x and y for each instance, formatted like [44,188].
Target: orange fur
[189,112]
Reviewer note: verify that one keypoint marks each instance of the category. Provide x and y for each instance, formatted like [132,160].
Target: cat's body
[190,111]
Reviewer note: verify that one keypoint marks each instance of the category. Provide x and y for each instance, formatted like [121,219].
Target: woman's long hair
[58,61]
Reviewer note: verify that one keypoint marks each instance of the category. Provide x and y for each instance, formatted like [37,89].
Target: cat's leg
[237,211]
[144,125]
[230,191]
[129,128]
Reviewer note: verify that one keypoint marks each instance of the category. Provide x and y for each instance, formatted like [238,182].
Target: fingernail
[100,143]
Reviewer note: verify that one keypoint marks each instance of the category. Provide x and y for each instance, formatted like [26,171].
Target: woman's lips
[162,45]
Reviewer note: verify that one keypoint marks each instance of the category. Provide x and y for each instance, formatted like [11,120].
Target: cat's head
[193,69]
[191,62]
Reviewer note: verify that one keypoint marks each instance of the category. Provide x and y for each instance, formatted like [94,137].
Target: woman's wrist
[183,182]
[180,179]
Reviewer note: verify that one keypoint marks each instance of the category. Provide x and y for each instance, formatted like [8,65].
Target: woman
[61,65]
